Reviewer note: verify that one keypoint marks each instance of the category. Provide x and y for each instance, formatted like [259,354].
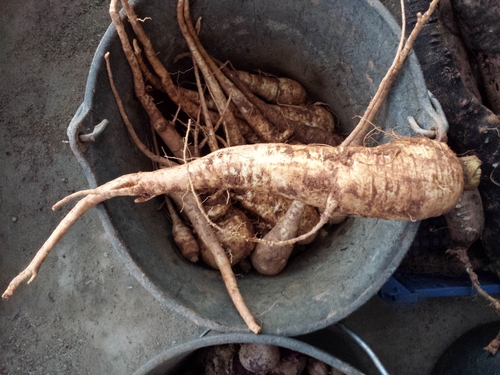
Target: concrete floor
[85,313]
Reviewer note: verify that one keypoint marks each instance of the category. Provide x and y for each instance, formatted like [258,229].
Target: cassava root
[361,181]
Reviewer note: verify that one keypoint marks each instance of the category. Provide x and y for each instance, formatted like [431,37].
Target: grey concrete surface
[84,313]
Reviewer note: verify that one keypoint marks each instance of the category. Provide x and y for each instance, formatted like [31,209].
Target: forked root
[123,186]
[133,187]
[32,270]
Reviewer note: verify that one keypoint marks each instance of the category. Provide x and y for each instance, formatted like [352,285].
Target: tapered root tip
[255,328]
[6,294]
[493,346]
[17,281]
[70,197]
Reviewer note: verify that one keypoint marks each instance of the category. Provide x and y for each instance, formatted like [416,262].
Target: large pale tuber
[408,179]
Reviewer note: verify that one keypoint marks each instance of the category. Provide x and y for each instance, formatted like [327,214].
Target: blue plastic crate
[410,286]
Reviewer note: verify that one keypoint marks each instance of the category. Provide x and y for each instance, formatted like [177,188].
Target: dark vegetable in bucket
[332,350]
[258,358]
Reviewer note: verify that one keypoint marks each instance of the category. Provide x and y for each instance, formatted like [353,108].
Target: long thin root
[32,270]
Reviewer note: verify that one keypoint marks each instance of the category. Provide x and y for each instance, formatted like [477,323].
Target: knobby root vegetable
[411,178]
[314,115]
[252,115]
[259,358]
[216,206]
[183,236]
[301,133]
[275,118]
[272,259]
[208,237]
[277,90]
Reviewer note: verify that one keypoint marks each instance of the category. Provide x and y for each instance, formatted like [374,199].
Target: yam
[278,90]
[271,209]
[237,228]
[182,234]
[270,259]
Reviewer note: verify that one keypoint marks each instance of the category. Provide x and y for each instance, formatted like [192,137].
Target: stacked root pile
[218,107]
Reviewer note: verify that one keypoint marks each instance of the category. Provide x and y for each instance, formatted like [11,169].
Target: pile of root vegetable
[254,358]
[226,108]
[249,169]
